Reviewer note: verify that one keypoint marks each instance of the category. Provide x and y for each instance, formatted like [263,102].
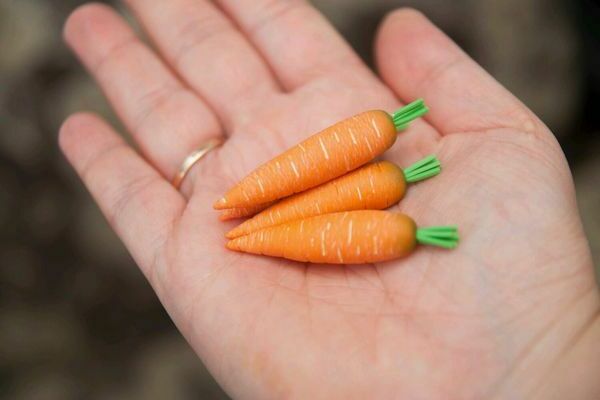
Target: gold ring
[193,158]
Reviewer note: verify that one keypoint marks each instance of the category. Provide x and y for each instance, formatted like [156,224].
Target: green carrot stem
[426,168]
[408,113]
[441,236]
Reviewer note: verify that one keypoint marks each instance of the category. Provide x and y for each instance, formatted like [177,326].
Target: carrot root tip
[232,234]
[220,204]
[440,236]
[405,115]
[232,245]
[423,169]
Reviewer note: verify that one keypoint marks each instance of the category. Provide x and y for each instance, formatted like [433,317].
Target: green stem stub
[408,113]
[426,168]
[441,236]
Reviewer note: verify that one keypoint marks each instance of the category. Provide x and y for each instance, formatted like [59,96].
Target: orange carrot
[352,237]
[234,213]
[375,186]
[326,155]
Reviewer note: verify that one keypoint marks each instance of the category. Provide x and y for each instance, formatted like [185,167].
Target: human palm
[483,320]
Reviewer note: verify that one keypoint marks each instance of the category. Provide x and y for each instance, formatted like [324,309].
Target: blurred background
[77,319]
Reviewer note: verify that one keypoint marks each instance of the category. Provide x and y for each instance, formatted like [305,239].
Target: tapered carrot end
[233,245]
[220,204]
[236,232]
[229,214]
[226,217]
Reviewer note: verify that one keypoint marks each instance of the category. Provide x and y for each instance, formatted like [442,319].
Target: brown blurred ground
[77,319]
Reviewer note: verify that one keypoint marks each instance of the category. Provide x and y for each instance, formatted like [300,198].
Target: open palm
[487,319]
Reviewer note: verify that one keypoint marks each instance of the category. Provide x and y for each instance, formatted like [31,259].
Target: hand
[505,314]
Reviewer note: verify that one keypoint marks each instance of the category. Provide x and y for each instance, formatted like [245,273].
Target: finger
[417,60]
[296,40]
[209,53]
[138,203]
[165,118]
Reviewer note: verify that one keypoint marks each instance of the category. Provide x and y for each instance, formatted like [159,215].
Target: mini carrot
[374,186]
[353,237]
[234,213]
[326,155]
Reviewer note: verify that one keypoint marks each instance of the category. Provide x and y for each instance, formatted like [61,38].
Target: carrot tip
[232,234]
[227,216]
[231,245]
[220,204]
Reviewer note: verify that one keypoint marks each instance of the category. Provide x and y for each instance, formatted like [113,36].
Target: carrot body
[374,186]
[326,155]
[353,237]
[320,158]
[234,213]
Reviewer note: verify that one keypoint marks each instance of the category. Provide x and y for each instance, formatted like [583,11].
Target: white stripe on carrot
[353,137]
[369,144]
[324,149]
[293,164]
[260,185]
[376,128]
[350,233]
[347,161]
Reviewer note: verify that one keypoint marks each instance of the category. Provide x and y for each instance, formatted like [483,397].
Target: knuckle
[273,10]
[137,191]
[156,101]
[124,45]
[524,120]
[196,32]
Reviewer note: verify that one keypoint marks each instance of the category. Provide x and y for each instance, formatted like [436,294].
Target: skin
[513,312]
